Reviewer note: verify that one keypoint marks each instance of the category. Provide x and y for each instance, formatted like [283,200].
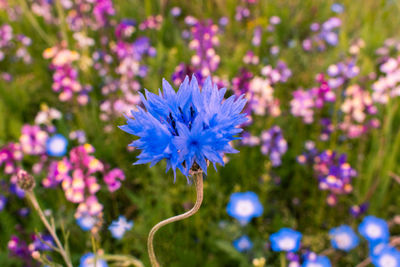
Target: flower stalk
[60,249]
[27,183]
[198,181]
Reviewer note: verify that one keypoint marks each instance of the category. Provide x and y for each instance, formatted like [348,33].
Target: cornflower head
[273,144]
[186,127]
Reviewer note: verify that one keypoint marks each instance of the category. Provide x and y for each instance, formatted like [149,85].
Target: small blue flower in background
[317,261]
[337,8]
[86,222]
[384,255]
[41,243]
[3,202]
[285,239]
[186,127]
[119,227]
[88,260]
[343,238]
[56,145]
[243,243]
[375,230]
[244,207]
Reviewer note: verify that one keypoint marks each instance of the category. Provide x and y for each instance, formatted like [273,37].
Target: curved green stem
[198,180]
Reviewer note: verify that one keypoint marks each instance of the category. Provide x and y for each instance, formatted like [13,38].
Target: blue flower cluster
[186,127]
[376,231]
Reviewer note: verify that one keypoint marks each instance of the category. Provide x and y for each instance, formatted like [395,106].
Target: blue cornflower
[343,238]
[375,230]
[56,145]
[244,206]
[186,127]
[318,261]
[384,255]
[88,260]
[243,243]
[285,239]
[119,227]
[86,222]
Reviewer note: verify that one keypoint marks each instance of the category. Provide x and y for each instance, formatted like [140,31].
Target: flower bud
[25,181]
